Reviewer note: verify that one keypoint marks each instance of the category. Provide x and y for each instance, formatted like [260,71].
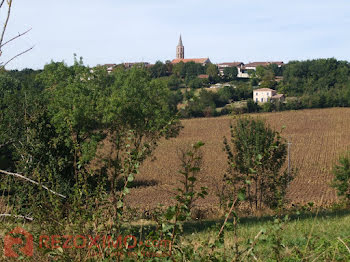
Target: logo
[26,241]
[19,242]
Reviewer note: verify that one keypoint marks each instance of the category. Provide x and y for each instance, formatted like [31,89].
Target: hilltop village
[195,77]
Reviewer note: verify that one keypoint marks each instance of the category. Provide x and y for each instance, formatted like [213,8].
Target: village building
[130,65]
[203,76]
[110,67]
[264,95]
[242,72]
[222,66]
[254,65]
[180,56]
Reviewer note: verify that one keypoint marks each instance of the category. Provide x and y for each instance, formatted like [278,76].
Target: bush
[256,154]
[341,172]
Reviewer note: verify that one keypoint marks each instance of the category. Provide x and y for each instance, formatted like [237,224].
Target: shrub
[341,180]
[256,154]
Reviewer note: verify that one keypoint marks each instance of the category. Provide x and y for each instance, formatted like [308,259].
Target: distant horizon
[137,31]
[152,63]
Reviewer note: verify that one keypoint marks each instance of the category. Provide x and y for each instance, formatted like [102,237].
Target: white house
[242,73]
[264,95]
[110,67]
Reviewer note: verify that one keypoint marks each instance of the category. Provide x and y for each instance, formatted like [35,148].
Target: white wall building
[264,95]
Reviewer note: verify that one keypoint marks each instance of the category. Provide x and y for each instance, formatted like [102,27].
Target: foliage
[191,161]
[308,77]
[188,70]
[174,82]
[175,98]
[170,223]
[256,154]
[196,83]
[159,70]
[341,180]
[213,72]
[202,105]
[252,106]
[230,73]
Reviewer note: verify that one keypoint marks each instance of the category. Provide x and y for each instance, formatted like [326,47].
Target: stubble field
[317,136]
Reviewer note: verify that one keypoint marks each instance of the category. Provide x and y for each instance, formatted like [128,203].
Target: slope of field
[317,137]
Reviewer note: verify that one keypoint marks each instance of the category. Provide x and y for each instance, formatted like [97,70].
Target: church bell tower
[180,50]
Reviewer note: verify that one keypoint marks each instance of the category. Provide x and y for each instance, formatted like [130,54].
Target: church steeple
[180,41]
[180,50]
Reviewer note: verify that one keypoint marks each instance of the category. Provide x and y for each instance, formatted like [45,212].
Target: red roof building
[202,61]
[203,76]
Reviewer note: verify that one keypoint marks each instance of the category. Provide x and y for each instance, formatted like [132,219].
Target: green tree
[256,154]
[260,71]
[230,73]
[135,115]
[252,106]
[175,98]
[178,69]
[174,82]
[213,72]
[159,70]
[341,173]
[195,83]
[225,94]
[308,77]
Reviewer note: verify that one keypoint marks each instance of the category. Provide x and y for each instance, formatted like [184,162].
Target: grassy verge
[307,237]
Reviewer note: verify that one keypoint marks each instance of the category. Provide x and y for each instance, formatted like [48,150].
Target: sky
[116,31]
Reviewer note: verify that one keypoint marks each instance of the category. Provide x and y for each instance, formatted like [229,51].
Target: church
[180,56]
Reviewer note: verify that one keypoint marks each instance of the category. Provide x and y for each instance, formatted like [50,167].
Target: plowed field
[317,136]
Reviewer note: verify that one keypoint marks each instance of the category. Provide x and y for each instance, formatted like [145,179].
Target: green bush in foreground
[342,176]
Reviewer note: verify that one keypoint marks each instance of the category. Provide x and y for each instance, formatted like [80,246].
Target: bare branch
[2,65]
[13,38]
[17,216]
[32,181]
[2,2]
[227,216]
[7,20]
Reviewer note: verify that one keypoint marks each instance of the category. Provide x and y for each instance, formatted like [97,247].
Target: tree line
[316,83]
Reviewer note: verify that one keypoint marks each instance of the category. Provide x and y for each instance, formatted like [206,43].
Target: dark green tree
[213,72]
[230,73]
[159,70]
[341,173]
[252,106]
[256,154]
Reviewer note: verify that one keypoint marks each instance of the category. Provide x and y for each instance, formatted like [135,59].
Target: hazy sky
[115,31]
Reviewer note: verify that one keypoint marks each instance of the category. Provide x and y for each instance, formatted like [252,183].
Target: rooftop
[264,89]
[231,64]
[196,60]
[255,64]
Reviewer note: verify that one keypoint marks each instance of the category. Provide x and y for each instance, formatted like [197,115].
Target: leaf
[252,171]
[198,145]
[131,178]
[192,179]
[241,196]
[126,190]
[120,204]
[195,169]
[259,157]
